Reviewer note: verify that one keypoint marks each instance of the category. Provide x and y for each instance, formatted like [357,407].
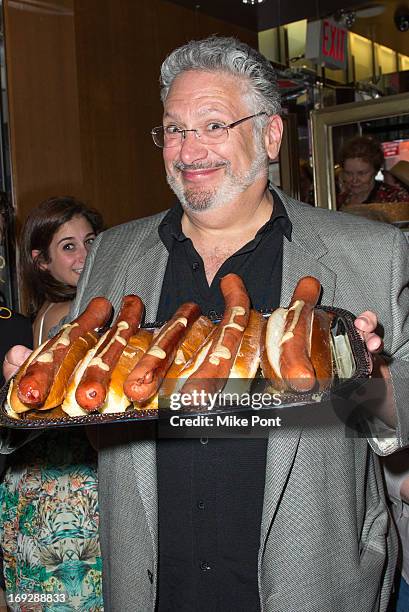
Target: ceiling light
[344,17]
[252,1]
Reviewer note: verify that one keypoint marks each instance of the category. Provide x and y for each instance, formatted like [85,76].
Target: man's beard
[202,199]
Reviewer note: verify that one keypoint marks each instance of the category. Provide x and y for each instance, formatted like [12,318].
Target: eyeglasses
[166,136]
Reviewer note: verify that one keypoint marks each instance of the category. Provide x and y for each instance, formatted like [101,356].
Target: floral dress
[49,526]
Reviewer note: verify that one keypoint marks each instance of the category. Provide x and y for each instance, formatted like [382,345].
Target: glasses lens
[213,133]
[163,138]
[157,136]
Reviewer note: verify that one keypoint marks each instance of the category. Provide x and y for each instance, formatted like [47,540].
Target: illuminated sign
[327,44]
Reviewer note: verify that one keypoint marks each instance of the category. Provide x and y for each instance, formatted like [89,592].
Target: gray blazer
[326,543]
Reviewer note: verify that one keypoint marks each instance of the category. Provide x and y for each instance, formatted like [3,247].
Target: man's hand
[404,490]
[366,323]
[15,358]
[382,404]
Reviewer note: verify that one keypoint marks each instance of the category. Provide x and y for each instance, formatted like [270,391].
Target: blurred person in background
[50,487]
[361,159]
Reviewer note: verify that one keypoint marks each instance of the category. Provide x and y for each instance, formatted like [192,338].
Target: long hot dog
[295,362]
[144,380]
[212,374]
[93,387]
[319,349]
[38,378]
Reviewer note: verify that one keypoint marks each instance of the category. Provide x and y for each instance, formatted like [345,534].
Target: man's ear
[273,135]
[36,255]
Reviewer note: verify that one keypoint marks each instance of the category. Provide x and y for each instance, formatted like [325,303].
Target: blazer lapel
[304,255]
[301,257]
[145,273]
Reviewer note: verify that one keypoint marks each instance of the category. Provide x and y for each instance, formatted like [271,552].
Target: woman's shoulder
[49,315]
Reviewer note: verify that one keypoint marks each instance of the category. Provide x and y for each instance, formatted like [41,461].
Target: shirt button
[212,314]
[195,266]
[201,505]
[204,440]
[205,566]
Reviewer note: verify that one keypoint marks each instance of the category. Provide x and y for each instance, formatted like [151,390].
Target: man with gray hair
[287,523]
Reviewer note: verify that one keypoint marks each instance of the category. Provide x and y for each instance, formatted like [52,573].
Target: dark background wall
[83,95]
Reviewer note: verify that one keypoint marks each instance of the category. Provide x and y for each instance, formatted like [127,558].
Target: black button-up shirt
[211,490]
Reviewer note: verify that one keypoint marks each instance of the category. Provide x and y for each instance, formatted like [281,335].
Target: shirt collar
[170,228]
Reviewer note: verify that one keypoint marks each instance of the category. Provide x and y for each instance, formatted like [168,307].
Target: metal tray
[342,327]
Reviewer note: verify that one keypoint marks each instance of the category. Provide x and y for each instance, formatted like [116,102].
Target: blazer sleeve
[388,440]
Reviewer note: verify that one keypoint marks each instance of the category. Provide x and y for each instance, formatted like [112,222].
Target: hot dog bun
[75,354]
[116,401]
[70,405]
[137,346]
[188,355]
[318,349]
[270,359]
[248,356]
[58,389]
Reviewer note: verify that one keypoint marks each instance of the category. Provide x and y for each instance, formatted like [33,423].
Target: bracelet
[7,311]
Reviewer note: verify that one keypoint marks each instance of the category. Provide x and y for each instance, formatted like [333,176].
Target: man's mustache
[182,167]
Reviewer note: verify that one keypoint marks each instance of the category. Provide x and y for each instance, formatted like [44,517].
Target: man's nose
[192,149]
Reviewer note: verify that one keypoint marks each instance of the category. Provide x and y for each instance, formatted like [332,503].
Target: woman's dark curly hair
[365,148]
[37,234]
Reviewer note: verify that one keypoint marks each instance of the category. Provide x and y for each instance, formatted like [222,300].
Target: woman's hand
[14,359]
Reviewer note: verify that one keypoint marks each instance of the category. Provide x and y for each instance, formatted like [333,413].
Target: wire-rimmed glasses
[213,132]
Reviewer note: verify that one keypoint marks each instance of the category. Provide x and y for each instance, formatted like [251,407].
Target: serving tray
[351,363]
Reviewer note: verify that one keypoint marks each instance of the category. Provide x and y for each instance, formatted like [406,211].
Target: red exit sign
[333,42]
[327,44]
